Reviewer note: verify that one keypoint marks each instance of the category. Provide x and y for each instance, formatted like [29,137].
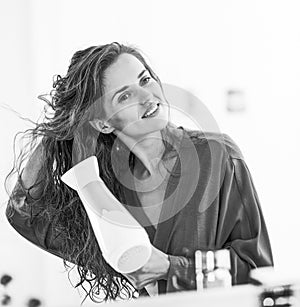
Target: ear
[101,126]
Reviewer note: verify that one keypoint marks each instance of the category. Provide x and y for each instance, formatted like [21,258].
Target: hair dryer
[124,243]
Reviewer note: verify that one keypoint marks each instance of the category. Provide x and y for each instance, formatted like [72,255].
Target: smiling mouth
[151,111]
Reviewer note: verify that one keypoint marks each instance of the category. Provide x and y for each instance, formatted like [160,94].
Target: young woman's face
[133,100]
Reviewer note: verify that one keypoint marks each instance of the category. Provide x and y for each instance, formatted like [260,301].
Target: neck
[148,150]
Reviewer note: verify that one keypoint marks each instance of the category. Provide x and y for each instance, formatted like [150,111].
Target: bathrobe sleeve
[240,227]
[33,226]
[25,216]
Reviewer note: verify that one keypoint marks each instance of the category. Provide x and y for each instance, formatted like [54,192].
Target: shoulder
[214,141]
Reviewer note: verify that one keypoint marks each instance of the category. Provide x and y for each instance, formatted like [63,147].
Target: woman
[190,190]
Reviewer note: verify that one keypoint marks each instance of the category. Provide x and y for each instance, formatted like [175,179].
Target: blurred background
[239,57]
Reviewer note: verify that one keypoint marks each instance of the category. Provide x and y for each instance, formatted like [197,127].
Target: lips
[151,110]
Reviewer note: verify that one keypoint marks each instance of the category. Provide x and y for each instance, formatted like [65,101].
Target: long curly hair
[64,131]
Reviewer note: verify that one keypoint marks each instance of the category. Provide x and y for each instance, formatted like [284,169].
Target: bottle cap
[222,258]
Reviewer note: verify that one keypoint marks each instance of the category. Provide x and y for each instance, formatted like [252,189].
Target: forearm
[157,268]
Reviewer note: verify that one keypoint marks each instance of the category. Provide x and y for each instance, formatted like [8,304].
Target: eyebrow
[126,86]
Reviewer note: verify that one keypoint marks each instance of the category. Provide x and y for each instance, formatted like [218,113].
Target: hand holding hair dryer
[124,243]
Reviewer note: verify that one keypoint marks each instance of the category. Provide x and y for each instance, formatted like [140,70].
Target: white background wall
[205,47]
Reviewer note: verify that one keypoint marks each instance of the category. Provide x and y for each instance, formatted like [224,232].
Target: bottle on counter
[199,270]
[213,269]
[209,270]
[222,268]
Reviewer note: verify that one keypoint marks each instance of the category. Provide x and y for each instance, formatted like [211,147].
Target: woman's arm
[155,269]
[25,216]
[248,242]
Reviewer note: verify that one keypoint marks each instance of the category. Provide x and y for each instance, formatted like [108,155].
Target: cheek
[122,119]
[117,122]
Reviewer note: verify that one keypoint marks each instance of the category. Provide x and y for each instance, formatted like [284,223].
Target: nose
[144,96]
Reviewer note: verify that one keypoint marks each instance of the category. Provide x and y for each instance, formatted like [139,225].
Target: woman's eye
[146,80]
[123,97]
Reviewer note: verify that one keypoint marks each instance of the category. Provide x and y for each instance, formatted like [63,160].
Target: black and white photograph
[150,153]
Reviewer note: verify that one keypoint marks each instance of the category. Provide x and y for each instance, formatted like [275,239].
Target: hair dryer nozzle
[82,173]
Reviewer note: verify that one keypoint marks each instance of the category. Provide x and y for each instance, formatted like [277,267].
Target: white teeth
[151,111]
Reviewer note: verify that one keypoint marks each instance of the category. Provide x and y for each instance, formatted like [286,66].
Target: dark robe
[210,203]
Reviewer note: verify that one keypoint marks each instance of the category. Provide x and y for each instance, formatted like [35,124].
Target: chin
[158,125]
[153,127]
